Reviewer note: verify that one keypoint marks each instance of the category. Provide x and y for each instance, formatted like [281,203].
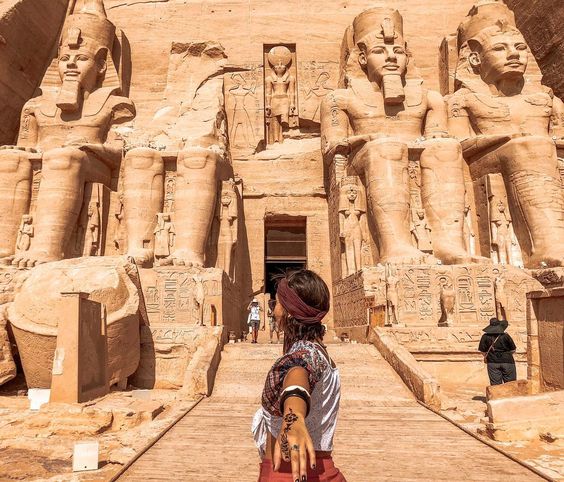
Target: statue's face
[504,55]
[79,66]
[280,69]
[351,195]
[226,199]
[383,59]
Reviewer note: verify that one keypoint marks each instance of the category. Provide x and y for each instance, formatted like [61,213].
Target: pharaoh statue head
[491,48]
[279,58]
[84,61]
[382,50]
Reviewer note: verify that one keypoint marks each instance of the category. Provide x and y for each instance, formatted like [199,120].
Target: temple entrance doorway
[285,247]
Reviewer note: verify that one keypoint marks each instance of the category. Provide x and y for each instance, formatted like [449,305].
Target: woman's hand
[294,445]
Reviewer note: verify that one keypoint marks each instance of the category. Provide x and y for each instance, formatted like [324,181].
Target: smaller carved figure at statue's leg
[536,199]
[442,194]
[143,186]
[15,194]
[196,192]
[58,205]
[384,164]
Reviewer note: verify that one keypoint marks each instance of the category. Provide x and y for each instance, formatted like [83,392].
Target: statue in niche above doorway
[280,95]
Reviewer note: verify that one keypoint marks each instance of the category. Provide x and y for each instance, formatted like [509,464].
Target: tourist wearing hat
[253,320]
[498,348]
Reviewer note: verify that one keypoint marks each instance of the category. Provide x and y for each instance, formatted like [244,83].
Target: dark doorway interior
[285,247]
[273,269]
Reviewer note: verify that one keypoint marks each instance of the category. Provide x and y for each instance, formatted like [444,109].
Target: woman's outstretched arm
[294,443]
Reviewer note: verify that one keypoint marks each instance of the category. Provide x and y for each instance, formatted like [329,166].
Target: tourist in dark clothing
[498,348]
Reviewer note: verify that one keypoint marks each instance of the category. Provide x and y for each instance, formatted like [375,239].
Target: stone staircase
[382,433]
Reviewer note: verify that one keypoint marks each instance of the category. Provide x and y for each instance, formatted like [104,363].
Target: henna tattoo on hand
[289,419]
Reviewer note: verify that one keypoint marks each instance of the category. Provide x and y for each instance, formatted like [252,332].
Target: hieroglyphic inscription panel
[178,295]
[419,294]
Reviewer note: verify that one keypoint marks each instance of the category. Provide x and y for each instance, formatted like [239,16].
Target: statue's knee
[144,158]
[384,148]
[442,150]
[64,158]
[532,145]
[12,160]
[197,158]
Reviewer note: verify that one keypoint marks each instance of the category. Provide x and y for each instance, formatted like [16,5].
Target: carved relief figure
[352,206]
[25,233]
[119,240]
[280,95]
[422,233]
[392,297]
[506,126]
[501,300]
[375,122]
[164,236]
[69,123]
[317,93]
[469,234]
[501,233]
[199,297]
[448,302]
[241,133]
[227,216]
[92,238]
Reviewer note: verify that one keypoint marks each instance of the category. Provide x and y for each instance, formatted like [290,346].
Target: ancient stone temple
[161,162]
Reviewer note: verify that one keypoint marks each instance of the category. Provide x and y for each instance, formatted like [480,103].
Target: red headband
[295,306]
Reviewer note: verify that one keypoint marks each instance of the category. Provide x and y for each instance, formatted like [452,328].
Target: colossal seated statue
[510,126]
[68,125]
[193,134]
[376,122]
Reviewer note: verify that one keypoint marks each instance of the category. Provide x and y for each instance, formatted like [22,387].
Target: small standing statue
[164,236]
[92,241]
[501,233]
[227,216]
[422,232]
[352,207]
[280,88]
[25,233]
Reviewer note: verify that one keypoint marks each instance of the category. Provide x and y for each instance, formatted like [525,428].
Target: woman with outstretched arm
[295,425]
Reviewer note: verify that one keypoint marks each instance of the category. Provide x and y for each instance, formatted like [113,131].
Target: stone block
[39,306]
[80,363]
[517,388]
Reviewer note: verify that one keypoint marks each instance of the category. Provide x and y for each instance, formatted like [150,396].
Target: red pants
[325,471]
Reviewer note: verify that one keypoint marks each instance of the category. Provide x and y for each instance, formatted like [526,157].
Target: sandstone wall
[28,32]
[540,21]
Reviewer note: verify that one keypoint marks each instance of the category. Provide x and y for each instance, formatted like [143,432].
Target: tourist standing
[498,348]
[294,427]
[253,320]
[273,325]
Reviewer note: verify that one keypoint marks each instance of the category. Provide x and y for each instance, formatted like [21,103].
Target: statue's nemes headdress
[378,25]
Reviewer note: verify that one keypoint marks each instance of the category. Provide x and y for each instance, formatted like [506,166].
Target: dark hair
[313,291]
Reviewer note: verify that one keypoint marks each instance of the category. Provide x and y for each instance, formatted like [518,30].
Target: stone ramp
[383,433]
